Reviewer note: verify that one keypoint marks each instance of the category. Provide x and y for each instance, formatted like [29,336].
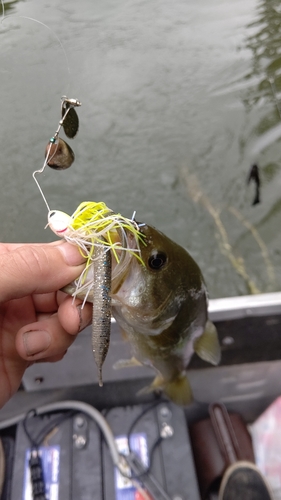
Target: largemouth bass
[160,305]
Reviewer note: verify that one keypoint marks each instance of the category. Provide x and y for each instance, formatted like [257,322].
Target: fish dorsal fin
[207,346]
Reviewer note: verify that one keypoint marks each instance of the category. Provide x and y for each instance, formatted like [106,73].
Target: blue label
[50,456]
[124,488]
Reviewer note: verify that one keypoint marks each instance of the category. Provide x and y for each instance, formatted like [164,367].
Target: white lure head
[59,222]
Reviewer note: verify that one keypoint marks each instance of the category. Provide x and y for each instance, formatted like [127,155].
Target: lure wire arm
[71,103]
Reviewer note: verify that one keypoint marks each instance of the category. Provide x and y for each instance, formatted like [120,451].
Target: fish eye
[157,260]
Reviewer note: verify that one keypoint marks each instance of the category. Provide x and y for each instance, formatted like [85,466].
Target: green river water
[176,107]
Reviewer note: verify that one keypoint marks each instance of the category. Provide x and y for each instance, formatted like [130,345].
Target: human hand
[37,321]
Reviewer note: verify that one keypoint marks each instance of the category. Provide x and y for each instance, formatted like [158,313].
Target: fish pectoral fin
[126,363]
[156,385]
[178,389]
[207,345]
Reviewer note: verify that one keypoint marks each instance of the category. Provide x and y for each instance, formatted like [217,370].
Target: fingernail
[36,341]
[71,254]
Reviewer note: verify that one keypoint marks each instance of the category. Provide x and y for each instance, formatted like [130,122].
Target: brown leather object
[217,442]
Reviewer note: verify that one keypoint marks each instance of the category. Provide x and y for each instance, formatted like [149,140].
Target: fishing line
[4,17]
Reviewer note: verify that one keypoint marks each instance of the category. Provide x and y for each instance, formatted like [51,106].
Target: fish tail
[178,389]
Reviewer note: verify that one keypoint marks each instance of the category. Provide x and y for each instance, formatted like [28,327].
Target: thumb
[28,269]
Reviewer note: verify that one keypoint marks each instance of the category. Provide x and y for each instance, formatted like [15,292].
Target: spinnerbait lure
[100,235]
